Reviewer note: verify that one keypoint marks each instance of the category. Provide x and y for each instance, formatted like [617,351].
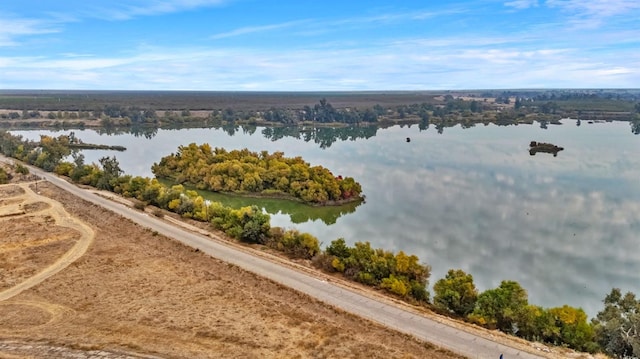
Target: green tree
[574,331]
[617,326]
[64,168]
[339,248]
[110,172]
[255,226]
[500,307]
[53,150]
[456,292]
[536,323]
[518,103]
[20,169]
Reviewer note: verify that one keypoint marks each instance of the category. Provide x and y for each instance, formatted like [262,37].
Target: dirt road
[60,217]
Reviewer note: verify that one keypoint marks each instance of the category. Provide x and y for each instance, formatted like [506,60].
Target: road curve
[423,328]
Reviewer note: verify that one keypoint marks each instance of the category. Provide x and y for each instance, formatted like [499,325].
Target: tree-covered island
[251,173]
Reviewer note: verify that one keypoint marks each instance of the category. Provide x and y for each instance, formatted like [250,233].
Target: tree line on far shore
[506,108]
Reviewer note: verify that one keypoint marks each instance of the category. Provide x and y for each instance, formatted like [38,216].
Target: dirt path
[19,207]
[10,349]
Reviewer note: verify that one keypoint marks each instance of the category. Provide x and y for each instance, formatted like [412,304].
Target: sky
[304,45]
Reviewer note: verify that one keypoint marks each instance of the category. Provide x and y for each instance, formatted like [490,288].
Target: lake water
[566,227]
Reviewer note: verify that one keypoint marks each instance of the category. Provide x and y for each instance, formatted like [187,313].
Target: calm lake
[566,227]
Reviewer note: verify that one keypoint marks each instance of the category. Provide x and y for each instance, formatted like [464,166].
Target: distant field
[88,100]
[611,100]
[599,104]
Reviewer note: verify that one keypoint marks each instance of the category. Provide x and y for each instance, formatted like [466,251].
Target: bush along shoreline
[614,331]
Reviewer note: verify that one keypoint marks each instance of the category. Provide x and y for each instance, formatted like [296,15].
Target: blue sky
[303,45]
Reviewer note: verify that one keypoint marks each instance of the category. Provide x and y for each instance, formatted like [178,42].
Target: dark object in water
[544,147]
[408,139]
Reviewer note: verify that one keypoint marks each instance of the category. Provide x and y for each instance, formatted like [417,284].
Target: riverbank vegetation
[615,330]
[505,308]
[60,109]
[298,212]
[264,174]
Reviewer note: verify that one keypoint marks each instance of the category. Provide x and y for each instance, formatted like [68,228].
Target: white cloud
[56,14]
[254,29]
[13,28]
[399,66]
[521,4]
[593,13]
[600,8]
[124,10]
[528,58]
[391,66]
[309,27]
[615,71]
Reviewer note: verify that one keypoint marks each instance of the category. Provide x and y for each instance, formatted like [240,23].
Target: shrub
[139,205]
[294,243]
[4,176]
[395,285]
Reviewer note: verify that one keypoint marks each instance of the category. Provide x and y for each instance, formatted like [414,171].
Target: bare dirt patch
[134,290]
[17,263]
[22,316]
[10,191]
[35,207]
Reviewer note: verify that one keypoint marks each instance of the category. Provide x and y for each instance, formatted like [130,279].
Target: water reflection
[297,212]
[635,126]
[323,136]
[565,227]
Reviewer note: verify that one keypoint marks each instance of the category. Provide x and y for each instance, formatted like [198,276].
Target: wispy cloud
[522,4]
[398,16]
[314,27]
[55,15]
[601,8]
[256,29]
[72,11]
[390,49]
[13,28]
[125,10]
[593,13]
[390,66]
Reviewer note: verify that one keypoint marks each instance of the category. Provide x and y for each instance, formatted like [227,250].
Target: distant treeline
[291,109]
[82,100]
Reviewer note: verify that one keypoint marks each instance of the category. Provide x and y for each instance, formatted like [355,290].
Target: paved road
[423,328]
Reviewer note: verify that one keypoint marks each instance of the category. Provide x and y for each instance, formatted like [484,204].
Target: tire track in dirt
[52,311]
[61,218]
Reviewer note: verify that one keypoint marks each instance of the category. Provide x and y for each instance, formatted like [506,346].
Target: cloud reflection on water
[565,227]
